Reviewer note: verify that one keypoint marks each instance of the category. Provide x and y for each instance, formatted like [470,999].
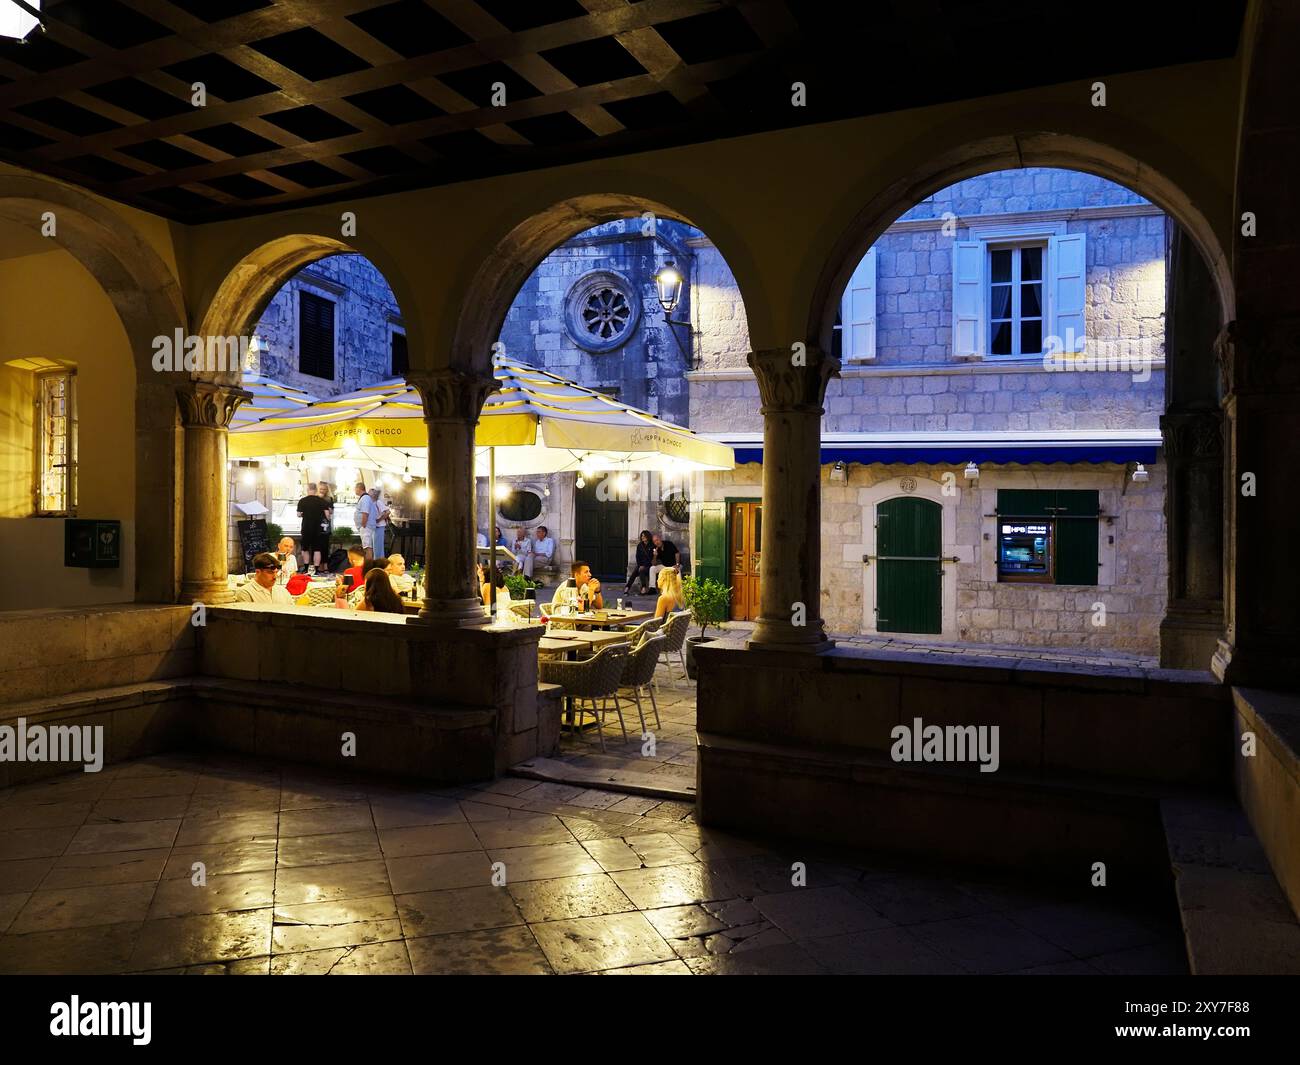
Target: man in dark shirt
[315,512]
[665,556]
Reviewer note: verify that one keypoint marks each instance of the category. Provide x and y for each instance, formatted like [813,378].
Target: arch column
[790,566]
[453,401]
[206,410]
[1261,394]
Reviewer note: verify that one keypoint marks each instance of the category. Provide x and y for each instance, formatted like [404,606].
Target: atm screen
[1024,549]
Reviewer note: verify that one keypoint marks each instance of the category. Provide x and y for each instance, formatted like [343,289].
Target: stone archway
[147,298]
[503,271]
[1013,152]
[1200,288]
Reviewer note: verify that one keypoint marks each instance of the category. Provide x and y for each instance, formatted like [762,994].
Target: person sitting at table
[378,595]
[395,567]
[285,551]
[356,567]
[582,582]
[263,587]
[502,595]
[670,591]
[645,555]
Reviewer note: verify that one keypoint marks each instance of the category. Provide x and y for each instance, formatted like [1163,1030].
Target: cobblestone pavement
[313,873]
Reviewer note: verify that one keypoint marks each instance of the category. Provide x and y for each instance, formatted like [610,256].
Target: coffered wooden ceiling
[316,100]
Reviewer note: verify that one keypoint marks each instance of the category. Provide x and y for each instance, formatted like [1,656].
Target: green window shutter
[710,542]
[1074,503]
[1076,550]
[1025,502]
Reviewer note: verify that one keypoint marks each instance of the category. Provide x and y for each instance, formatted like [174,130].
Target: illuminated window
[56,443]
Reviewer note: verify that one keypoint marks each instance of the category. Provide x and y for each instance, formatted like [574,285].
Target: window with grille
[315,335]
[56,428]
[401,362]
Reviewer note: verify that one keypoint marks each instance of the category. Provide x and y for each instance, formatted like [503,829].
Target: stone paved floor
[313,873]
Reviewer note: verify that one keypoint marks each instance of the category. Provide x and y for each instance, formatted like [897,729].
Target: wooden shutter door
[909,571]
[710,542]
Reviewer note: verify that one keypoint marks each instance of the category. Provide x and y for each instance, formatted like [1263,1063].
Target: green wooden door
[710,542]
[601,539]
[909,572]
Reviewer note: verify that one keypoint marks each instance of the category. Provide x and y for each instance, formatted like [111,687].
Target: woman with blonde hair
[670,591]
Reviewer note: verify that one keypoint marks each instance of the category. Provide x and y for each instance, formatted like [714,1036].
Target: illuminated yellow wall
[55,309]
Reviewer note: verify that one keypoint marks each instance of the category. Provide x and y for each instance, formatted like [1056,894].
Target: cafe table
[596,618]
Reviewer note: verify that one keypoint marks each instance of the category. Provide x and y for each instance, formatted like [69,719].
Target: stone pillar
[206,410]
[1193,623]
[453,401]
[1260,366]
[790,566]
[1192,431]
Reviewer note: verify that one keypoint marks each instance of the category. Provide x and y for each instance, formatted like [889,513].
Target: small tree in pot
[709,602]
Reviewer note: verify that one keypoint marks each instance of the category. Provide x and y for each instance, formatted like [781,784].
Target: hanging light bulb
[581,482]
[406,474]
[503,491]
[248,477]
[422,494]
[623,482]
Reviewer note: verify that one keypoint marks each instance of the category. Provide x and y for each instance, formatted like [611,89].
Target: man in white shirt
[542,551]
[580,584]
[364,516]
[262,588]
[523,549]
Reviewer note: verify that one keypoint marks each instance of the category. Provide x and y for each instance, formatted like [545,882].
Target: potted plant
[521,587]
[709,602]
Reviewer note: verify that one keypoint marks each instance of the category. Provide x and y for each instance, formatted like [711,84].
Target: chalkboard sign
[253,540]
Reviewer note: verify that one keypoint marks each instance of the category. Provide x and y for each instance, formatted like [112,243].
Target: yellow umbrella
[545,422]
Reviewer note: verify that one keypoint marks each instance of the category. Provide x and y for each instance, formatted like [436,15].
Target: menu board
[253,540]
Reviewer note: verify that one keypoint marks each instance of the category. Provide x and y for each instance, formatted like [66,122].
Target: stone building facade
[364,339]
[919,381]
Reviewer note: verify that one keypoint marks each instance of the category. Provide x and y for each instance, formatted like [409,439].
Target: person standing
[364,516]
[381,519]
[312,509]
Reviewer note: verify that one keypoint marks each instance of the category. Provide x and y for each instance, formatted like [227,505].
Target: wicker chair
[639,673]
[527,610]
[675,638]
[585,682]
[638,634]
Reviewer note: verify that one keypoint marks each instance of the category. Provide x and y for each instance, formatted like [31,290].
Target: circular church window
[601,311]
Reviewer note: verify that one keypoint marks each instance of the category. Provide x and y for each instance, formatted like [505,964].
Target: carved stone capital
[793,379]
[1193,435]
[209,406]
[1259,357]
[452,395]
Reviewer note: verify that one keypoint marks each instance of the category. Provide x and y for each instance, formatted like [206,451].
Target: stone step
[627,781]
[1235,918]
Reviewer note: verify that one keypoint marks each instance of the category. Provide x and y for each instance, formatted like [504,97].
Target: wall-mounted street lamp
[19,17]
[1140,474]
[972,472]
[669,281]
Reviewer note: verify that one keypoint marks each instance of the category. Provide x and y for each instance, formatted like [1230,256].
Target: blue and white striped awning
[959,448]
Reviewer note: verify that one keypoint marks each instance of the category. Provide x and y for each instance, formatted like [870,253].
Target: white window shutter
[967,299]
[858,312]
[1068,291]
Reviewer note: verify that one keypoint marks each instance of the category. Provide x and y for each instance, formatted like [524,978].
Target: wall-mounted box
[91,543]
